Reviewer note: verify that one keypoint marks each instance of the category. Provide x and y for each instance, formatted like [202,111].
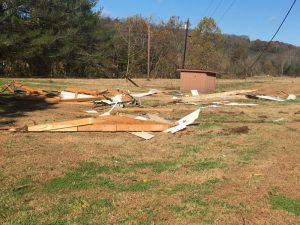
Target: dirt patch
[236,130]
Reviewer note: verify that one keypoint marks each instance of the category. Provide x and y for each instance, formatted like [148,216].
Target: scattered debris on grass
[125,102]
[270,98]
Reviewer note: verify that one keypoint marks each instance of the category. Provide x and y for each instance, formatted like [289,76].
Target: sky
[258,19]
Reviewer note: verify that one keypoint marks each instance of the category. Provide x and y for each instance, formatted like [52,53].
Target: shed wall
[197,81]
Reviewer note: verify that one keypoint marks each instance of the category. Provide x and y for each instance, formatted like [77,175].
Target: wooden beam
[136,109]
[104,124]
[82,91]
[99,98]
[61,125]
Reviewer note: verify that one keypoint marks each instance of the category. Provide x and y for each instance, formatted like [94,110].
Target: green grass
[87,176]
[255,145]
[234,86]
[22,187]
[150,103]
[207,164]
[201,188]
[193,204]
[146,215]
[284,203]
[291,129]
[72,210]
[190,150]
[157,167]
[44,84]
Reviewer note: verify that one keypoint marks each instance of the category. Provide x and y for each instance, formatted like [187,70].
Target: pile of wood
[15,87]
[67,95]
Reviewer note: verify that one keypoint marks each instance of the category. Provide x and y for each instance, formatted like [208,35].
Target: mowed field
[236,165]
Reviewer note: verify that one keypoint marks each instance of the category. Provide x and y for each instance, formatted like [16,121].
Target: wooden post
[185,42]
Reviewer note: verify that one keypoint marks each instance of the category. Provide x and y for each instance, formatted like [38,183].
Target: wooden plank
[136,109]
[240,94]
[77,103]
[123,127]
[104,124]
[69,129]
[98,98]
[82,91]
[61,125]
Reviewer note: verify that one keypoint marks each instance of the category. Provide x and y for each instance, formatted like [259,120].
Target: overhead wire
[226,11]
[278,29]
[216,9]
[208,7]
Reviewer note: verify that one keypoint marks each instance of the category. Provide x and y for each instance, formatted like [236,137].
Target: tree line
[69,38]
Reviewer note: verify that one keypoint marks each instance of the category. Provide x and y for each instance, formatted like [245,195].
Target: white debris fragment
[195,92]
[291,97]
[239,104]
[140,95]
[91,111]
[142,134]
[270,98]
[109,112]
[71,95]
[141,118]
[279,120]
[117,99]
[184,122]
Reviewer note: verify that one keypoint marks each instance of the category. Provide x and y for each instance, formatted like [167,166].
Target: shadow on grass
[12,108]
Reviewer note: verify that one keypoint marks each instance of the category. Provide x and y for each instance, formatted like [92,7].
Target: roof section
[197,71]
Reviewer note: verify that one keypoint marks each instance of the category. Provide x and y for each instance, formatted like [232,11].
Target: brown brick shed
[202,80]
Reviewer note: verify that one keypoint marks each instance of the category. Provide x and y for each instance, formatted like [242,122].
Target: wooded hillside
[69,39]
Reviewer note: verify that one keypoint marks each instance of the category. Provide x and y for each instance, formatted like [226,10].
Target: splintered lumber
[29,90]
[81,91]
[61,125]
[240,94]
[82,95]
[7,87]
[102,124]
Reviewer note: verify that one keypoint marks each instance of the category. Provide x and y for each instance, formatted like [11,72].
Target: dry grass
[207,175]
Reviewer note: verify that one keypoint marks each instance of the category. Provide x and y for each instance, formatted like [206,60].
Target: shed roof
[197,71]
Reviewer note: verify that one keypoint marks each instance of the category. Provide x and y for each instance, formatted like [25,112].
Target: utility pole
[185,41]
[128,51]
[149,50]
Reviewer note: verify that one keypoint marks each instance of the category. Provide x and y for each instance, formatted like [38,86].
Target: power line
[218,6]
[208,7]
[278,29]
[226,11]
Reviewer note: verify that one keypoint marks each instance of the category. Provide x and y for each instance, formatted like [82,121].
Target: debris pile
[120,102]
